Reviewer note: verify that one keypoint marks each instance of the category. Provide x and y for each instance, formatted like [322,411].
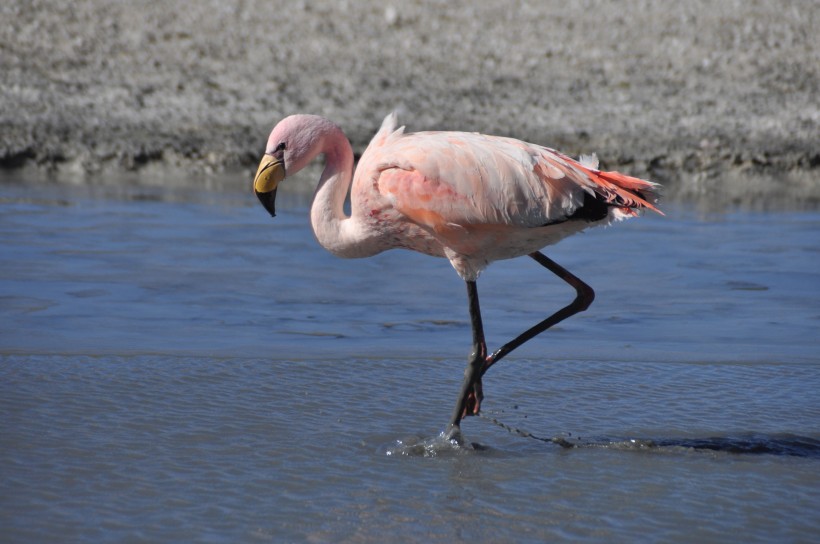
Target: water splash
[449,442]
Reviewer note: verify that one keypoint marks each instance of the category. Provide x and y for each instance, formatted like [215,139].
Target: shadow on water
[794,446]
[748,443]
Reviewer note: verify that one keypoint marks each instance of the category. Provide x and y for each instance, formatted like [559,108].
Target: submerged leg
[469,399]
[584,295]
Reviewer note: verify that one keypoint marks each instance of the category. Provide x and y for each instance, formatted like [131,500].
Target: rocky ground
[716,99]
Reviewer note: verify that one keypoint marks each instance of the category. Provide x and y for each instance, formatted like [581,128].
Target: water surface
[177,366]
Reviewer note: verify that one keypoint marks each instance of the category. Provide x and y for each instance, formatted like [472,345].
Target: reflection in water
[445,445]
[750,443]
[798,446]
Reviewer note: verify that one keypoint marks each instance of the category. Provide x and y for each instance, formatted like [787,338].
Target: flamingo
[468,197]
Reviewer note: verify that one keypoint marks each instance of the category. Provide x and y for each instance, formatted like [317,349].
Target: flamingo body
[469,197]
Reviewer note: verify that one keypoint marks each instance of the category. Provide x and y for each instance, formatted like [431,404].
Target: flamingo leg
[469,399]
[584,295]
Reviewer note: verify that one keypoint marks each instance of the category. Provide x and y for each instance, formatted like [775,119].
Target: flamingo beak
[271,171]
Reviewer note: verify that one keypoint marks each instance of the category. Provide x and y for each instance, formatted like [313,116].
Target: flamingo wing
[447,179]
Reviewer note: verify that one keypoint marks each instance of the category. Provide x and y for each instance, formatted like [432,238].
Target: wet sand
[718,100]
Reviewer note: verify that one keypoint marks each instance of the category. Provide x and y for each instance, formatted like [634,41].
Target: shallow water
[177,366]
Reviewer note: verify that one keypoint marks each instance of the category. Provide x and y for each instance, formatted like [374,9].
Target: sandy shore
[710,98]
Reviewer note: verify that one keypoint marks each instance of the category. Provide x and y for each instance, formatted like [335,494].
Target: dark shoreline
[712,101]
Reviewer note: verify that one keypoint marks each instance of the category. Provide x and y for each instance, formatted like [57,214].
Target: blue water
[178,366]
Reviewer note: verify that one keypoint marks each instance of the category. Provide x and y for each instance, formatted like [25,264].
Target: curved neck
[327,217]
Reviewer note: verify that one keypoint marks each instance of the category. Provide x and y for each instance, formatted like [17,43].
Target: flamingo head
[292,144]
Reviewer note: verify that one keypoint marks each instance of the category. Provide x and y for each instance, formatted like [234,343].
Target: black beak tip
[268,201]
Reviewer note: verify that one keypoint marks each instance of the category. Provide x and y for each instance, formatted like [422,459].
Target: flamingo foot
[474,398]
[472,391]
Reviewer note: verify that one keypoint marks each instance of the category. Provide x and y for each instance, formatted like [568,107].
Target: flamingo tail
[626,191]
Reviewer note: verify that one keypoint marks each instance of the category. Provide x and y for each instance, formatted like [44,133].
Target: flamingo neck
[334,230]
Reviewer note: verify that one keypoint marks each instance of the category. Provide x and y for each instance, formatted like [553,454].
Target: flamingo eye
[281,147]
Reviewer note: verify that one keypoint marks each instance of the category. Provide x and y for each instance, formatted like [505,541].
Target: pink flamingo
[469,197]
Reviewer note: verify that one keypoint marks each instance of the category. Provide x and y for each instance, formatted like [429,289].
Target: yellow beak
[271,171]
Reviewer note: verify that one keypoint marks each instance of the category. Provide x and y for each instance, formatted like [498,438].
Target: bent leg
[584,295]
